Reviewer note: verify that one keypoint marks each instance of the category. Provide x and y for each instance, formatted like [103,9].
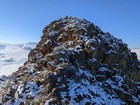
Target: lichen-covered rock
[78,64]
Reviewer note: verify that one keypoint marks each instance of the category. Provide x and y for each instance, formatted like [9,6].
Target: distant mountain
[75,63]
[137,50]
[12,56]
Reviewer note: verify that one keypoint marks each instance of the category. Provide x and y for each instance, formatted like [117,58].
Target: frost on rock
[78,64]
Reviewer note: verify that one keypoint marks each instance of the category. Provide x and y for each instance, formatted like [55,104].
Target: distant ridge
[137,50]
[16,53]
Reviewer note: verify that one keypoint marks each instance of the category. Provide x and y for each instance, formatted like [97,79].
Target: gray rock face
[76,63]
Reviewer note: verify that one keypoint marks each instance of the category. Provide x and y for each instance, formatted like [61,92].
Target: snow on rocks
[22,92]
[76,63]
[88,92]
[3,78]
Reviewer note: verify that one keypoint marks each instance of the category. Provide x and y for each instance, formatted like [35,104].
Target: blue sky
[24,20]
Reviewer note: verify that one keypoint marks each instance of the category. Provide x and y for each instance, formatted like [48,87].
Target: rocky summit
[75,63]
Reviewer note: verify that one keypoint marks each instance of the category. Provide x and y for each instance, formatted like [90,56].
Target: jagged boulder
[76,63]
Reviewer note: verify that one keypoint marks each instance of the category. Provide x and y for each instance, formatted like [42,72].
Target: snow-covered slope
[12,56]
[137,50]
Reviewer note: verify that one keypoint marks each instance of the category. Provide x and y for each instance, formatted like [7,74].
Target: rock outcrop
[78,64]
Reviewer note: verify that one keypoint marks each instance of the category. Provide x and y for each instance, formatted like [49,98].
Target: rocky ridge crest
[78,64]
